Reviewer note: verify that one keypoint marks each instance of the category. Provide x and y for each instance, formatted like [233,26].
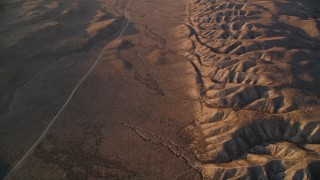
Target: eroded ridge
[256,64]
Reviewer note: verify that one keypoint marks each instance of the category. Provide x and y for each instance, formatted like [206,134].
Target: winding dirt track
[125,117]
[204,89]
[45,132]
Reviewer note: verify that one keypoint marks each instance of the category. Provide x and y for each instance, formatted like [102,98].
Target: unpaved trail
[125,117]
[44,133]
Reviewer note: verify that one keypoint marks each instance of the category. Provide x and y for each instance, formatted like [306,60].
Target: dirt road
[123,119]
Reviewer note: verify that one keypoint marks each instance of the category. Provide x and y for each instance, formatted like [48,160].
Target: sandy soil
[196,89]
[127,118]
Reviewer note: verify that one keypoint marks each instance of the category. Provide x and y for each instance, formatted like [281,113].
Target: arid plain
[159,89]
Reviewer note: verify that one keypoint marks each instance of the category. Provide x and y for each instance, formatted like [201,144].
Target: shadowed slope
[259,63]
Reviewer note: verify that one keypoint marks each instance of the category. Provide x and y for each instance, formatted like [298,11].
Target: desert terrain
[159,89]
